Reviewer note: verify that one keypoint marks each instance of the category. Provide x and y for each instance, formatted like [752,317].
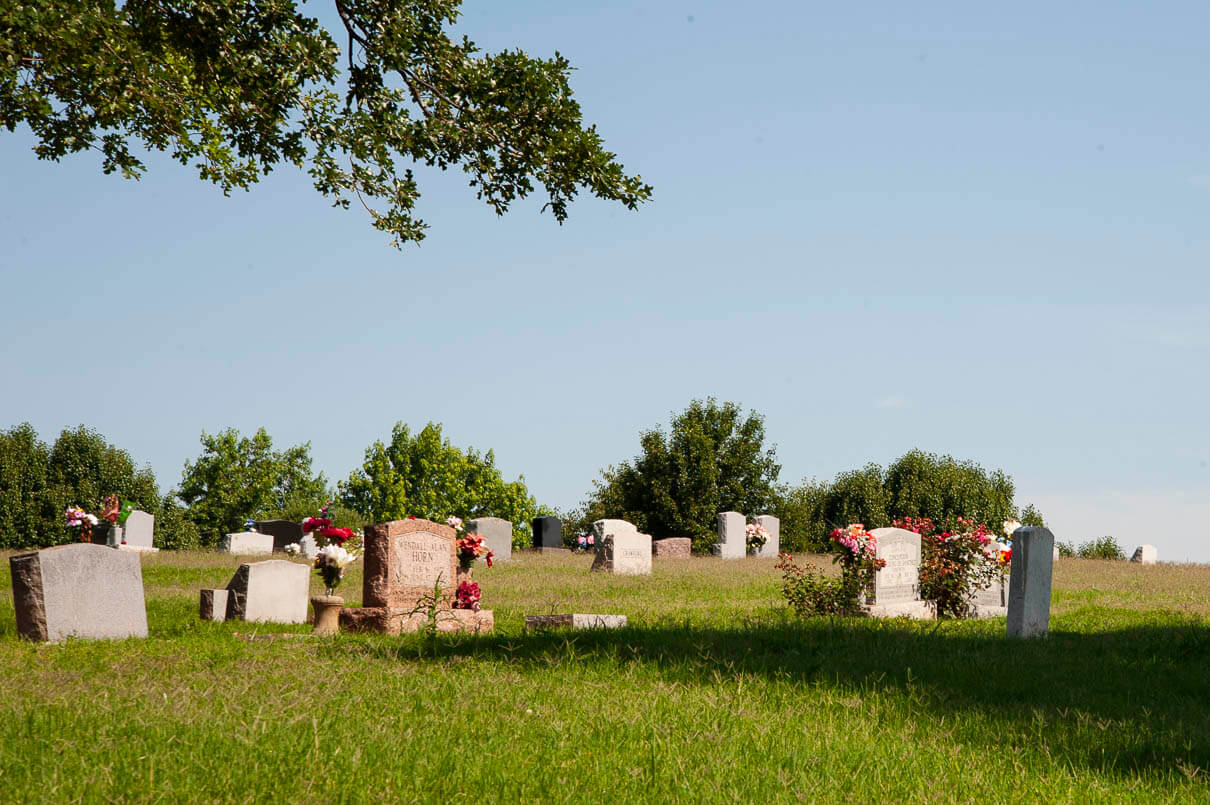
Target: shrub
[955,563]
[173,530]
[1103,548]
[809,592]
[1066,550]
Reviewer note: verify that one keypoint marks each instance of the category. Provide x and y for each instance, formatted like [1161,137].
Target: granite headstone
[247,543]
[772,546]
[620,548]
[548,533]
[497,535]
[897,585]
[274,590]
[1145,555]
[732,540]
[1031,570]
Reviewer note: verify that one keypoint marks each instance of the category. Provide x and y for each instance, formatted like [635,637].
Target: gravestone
[1145,555]
[275,590]
[772,546]
[897,586]
[621,549]
[247,543]
[548,534]
[1030,578]
[992,601]
[574,621]
[82,590]
[286,532]
[675,547]
[213,605]
[497,536]
[731,537]
[139,532]
[404,561]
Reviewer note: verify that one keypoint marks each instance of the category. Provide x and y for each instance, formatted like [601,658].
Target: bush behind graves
[425,475]
[712,459]
[1103,548]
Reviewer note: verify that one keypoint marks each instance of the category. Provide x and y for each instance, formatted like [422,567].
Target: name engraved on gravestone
[418,559]
[900,579]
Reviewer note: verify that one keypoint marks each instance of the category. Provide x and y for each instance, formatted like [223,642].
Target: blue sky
[975,231]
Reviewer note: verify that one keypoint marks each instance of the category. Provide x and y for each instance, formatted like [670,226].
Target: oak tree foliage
[237,87]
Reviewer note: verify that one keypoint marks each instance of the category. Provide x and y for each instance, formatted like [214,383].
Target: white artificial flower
[1010,526]
[91,518]
[335,556]
[454,523]
[293,549]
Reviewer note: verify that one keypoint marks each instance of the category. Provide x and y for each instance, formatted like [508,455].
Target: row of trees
[712,458]
[238,477]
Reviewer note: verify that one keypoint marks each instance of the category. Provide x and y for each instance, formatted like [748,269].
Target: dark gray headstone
[81,590]
[1030,571]
[548,532]
[284,532]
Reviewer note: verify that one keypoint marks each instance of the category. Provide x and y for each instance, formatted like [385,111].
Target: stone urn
[327,614]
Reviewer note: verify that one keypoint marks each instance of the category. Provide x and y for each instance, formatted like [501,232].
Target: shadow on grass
[1124,699]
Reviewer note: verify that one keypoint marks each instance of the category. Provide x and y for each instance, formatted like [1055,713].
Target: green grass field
[714,693]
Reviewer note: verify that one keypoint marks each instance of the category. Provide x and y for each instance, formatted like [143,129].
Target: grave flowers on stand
[116,512]
[330,563]
[76,517]
[755,537]
[809,592]
[958,559]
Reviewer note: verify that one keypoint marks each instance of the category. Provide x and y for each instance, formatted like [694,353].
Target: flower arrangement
[858,556]
[76,517]
[958,558]
[454,523]
[470,548]
[809,592]
[1008,527]
[326,533]
[467,596]
[586,541]
[755,537]
[330,563]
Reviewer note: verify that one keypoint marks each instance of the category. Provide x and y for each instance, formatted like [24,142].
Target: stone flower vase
[327,614]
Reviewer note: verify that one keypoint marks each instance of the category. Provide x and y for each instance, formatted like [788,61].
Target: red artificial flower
[112,506]
[315,523]
[489,558]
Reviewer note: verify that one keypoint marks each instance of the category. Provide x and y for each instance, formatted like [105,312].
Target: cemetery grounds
[713,693]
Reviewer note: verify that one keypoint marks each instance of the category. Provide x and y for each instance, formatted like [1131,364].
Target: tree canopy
[237,87]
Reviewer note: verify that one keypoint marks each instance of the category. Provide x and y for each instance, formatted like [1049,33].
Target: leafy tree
[237,87]
[236,478]
[712,460]
[924,484]
[27,512]
[426,476]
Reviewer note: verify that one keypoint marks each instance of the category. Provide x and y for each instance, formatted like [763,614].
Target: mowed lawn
[714,693]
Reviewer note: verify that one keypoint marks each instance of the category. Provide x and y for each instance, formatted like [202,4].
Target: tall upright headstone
[897,584]
[620,548]
[732,539]
[497,535]
[405,562]
[1030,572]
[772,546]
[81,590]
[139,532]
[548,533]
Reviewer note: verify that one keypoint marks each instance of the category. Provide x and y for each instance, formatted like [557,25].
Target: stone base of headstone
[674,547]
[138,549]
[983,612]
[394,622]
[575,621]
[214,605]
[916,610]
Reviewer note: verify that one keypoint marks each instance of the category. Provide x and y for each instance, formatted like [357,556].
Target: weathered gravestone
[620,548]
[497,536]
[992,601]
[574,621]
[1145,555]
[287,532]
[273,591]
[675,547]
[548,534]
[1029,586]
[772,546]
[81,590]
[897,586]
[247,543]
[139,532]
[405,561]
[732,539]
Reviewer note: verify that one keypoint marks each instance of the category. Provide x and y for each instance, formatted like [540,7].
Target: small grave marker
[621,549]
[732,539]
